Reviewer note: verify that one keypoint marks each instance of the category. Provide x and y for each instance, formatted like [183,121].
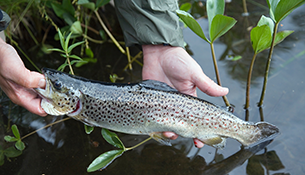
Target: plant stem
[128,58]
[69,63]
[93,40]
[245,7]
[249,81]
[48,125]
[134,59]
[108,32]
[225,99]
[127,149]
[268,65]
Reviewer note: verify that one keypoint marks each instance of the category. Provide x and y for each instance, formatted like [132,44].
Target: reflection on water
[65,149]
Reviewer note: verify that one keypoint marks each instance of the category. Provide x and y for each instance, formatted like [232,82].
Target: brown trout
[149,107]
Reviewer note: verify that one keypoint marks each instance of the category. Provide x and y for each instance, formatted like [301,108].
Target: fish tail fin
[267,130]
[267,133]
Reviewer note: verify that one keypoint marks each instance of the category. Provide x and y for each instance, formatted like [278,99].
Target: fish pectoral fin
[158,136]
[214,141]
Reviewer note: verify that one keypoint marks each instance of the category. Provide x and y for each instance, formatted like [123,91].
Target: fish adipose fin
[214,141]
[158,136]
[158,85]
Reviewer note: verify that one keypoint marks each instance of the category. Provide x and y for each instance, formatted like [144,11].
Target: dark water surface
[66,149]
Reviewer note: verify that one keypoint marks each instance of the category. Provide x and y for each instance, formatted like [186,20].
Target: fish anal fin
[214,141]
[158,136]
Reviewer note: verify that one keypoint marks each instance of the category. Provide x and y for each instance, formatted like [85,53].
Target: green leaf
[87,4]
[186,6]
[235,58]
[75,57]
[88,129]
[272,5]
[56,50]
[85,61]
[67,42]
[81,63]
[100,3]
[19,145]
[62,67]
[266,21]
[61,39]
[69,19]
[89,52]
[76,28]
[214,7]
[285,7]
[102,34]
[74,45]
[112,138]
[280,36]
[104,160]
[65,7]
[15,131]
[191,23]
[12,152]
[10,139]
[75,61]
[220,25]
[59,11]
[260,38]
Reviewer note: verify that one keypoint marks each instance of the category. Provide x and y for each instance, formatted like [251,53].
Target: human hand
[17,82]
[174,66]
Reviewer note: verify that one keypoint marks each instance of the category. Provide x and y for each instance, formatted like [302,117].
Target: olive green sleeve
[149,22]
[4,20]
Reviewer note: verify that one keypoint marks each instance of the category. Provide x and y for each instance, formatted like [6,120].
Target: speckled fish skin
[145,108]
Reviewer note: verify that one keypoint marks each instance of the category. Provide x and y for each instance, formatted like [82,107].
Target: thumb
[208,86]
[28,79]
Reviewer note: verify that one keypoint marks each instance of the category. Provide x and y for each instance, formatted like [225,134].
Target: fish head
[60,96]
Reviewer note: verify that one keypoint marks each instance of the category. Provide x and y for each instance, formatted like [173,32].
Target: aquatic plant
[279,9]
[219,24]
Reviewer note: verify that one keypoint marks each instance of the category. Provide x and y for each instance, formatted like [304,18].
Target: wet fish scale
[145,108]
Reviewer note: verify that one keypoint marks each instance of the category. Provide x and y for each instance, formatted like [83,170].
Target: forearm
[149,22]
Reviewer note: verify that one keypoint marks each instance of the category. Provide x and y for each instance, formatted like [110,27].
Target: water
[66,149]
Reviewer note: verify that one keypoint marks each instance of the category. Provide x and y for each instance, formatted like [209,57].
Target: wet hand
[174,66]
[17,82]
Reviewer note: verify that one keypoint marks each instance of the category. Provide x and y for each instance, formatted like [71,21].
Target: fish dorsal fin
[158,85]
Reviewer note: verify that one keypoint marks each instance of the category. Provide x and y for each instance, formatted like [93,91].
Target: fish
[146,108]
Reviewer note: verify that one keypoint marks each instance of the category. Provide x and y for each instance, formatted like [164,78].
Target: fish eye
[57,85]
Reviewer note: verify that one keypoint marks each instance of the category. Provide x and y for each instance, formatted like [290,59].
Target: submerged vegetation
[72,19]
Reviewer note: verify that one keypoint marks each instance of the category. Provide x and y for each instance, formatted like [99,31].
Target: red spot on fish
[191,115]
[207,119]
[215,127]
[182,123]
[177,112]
[192,125]
[166,118]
